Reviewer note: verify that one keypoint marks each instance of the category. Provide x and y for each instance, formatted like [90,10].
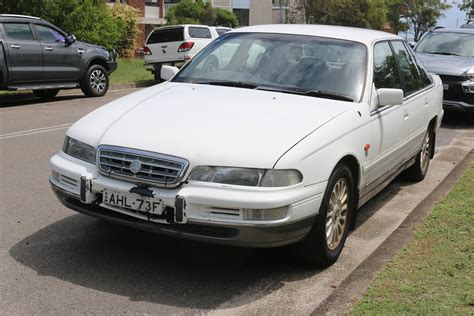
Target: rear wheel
[95,82]
[418,171]
[46,94]
[324,243]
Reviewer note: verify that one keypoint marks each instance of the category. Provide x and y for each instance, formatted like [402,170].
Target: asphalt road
[53,260]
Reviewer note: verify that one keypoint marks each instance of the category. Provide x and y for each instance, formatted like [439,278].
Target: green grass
[130,70]
[434,273]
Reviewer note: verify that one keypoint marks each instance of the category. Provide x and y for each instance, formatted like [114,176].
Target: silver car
[450,54]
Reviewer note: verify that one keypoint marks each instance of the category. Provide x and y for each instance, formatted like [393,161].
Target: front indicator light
[265,214]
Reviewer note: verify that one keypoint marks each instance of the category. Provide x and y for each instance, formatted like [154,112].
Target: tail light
[185,47]
[146,51]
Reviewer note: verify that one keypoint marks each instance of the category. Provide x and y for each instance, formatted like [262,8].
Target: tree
[199,12]
[468,7]
[226,18]
[423,15]
[359,13]
[90,20]
[419,16]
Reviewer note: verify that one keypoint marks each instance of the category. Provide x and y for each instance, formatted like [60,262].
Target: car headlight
[470,73]
[79,150]
[246,176]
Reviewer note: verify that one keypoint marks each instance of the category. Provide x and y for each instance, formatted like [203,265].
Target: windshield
[447,43]
[308,65]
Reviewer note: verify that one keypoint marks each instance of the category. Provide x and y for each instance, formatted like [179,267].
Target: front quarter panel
[317,155]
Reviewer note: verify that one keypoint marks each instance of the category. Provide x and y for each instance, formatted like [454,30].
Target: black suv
[36,55]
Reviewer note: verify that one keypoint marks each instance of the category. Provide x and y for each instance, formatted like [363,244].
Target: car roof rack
[19,16]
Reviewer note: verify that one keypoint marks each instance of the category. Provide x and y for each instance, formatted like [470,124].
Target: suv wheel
[95,82]
[324,243]
[46,94]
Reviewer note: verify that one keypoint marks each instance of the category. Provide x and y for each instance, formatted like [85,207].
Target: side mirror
[389,97]
[70,39]
[168,72]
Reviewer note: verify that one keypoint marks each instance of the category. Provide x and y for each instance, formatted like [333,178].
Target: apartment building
[249,12]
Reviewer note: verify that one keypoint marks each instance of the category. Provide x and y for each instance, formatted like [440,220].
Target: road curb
[356,284]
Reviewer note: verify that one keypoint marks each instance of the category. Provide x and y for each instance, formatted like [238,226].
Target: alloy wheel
[336,217]
[98,81]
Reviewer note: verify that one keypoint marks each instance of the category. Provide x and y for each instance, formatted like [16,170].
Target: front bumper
[111,66]
[78,186]
[458,95]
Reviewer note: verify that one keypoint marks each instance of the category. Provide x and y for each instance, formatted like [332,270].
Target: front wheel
[328,235]
[46,94]
[95,82]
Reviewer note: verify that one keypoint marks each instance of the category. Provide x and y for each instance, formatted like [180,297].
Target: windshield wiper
[445,53]
[228,83]
[310,93]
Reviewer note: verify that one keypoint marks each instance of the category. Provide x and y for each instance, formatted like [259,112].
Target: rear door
[25,55]
[164,44]
[60,61]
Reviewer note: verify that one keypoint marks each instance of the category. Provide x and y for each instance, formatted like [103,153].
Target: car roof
[446,30]
[339,32]
[19,17]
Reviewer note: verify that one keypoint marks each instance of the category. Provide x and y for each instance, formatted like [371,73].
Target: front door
[61,61]
[24,54]
[390,124]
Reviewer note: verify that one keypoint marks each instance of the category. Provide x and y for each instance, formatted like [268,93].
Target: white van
[174,45]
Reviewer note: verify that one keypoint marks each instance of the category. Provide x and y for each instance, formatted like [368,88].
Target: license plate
[445,86]
[132,201]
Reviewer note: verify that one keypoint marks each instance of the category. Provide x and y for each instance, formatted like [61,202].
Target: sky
[453,18]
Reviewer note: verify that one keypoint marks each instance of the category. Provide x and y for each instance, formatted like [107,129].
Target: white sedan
[292,130]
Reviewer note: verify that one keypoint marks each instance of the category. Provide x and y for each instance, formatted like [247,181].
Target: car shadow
[13,100]
[153,268]
[458,120]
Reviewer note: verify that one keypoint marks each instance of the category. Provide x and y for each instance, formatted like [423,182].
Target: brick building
[249,12]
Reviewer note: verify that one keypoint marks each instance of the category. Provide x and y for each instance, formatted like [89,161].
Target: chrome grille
[157,169]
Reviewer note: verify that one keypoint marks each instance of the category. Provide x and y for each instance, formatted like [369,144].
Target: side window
[199,32]
[425,78]
[408,69]
[385,67]
[49,35]
[18,31]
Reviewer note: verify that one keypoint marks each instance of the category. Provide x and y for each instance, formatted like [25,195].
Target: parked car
[36,55]
[468,25]
[174,45]
[450,54]
[280,144]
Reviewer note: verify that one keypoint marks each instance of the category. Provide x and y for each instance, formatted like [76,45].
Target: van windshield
[301,64]
[166,35]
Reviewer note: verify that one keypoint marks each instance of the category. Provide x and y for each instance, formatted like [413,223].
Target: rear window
[18,31]
[166,35]
[199,32]
[222,31]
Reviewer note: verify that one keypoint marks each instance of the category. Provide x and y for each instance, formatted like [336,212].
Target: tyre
[418,171]
[46,94]
[328,235]
[95,82]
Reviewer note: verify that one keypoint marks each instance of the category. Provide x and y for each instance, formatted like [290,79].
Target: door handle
[48,48]
[405,115]
[15,46]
